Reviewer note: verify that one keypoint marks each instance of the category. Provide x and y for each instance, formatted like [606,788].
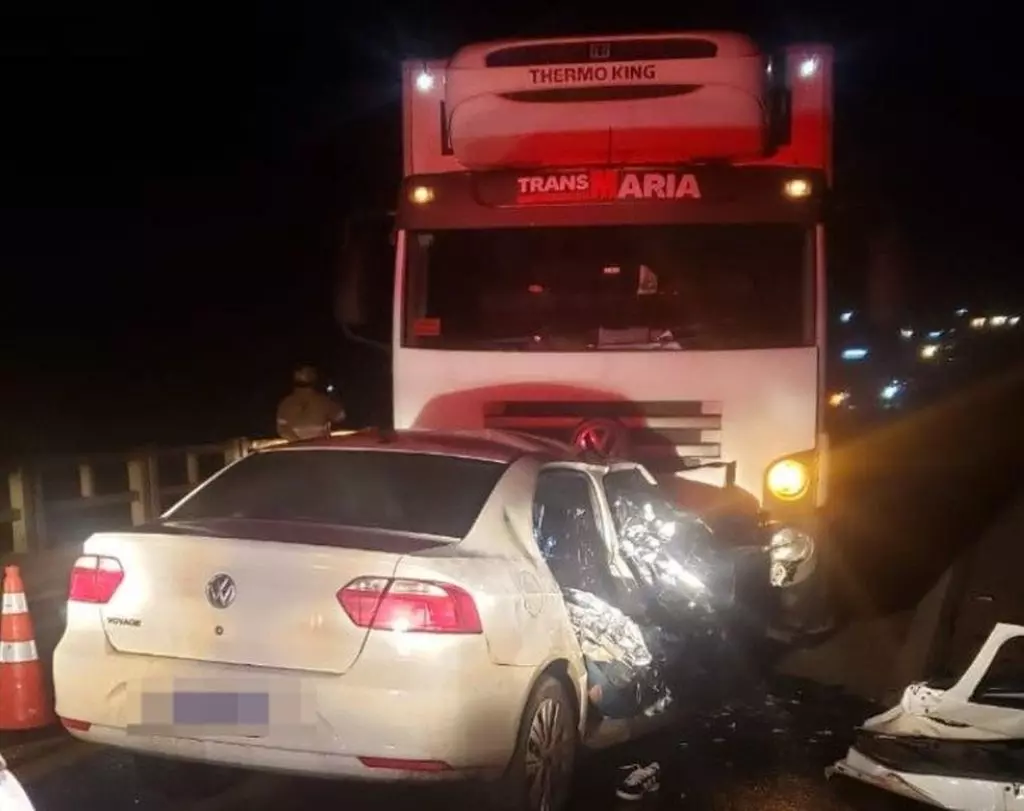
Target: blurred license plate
[222,709]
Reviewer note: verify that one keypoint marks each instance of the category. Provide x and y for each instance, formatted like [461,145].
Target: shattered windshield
[667,549]
[640,509]
[679,286]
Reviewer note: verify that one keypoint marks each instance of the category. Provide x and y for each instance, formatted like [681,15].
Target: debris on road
[956,747]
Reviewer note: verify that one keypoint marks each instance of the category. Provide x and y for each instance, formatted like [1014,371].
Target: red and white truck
[620,242]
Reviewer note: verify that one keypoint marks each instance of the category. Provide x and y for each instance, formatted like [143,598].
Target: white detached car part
[956,748]
[12,795]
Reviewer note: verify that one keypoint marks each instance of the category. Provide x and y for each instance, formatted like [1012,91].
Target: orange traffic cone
[23,703]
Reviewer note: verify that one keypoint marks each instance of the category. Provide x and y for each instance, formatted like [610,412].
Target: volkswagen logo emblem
[221,591]
[606,437]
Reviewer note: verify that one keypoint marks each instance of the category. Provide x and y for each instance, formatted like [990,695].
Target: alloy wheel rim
[546,760]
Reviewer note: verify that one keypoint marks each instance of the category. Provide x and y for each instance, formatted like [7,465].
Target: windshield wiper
[544,339]
[518,341]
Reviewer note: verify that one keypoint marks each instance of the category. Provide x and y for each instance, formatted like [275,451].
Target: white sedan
[376,606]
[12,795]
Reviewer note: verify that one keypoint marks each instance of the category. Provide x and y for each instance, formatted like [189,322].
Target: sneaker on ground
[641,780]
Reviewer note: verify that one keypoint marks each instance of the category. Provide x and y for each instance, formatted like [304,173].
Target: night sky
[175,183]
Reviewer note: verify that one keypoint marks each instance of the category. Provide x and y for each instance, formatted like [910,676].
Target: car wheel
[540,773]
[180,780]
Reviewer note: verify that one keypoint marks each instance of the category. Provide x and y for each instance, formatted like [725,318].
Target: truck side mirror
[350,297]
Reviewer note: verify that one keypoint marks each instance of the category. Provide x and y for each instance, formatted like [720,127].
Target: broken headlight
[790,545]
[789,549]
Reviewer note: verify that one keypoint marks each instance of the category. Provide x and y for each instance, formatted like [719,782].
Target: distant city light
[846,317]
[837,398]
[929,351]
[1014,320]
[935,334]
[855,353]
[891,390]
[906,333]
[961,312]
[998,320]
[978,323]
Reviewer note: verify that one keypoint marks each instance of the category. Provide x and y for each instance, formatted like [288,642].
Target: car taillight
[94,579]
[410,605]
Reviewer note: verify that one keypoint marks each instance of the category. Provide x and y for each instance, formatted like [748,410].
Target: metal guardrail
[29,506]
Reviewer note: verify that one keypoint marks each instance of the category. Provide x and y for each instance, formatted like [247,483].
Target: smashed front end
[955,747]
[780,579]
[704,581]
[619,659]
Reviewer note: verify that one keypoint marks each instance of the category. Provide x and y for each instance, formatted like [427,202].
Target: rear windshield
[389,490]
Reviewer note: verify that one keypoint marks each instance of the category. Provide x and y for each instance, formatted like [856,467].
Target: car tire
[181,780]
[539,776]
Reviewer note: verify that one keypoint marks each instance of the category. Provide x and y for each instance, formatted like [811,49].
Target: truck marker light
[424,81]
[797,189]
[421,195]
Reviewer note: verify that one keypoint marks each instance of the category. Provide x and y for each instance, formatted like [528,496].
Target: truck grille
[655,433]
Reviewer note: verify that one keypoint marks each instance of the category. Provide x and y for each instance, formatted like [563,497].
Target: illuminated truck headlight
[788,480]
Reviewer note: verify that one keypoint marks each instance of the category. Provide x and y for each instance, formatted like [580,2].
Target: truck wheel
[539,776]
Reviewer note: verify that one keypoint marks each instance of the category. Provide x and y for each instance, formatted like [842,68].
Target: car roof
[484,444]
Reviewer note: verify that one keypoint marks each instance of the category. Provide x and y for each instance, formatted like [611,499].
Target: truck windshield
[703,287]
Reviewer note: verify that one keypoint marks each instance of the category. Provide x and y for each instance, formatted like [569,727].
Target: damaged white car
[298,609]
[957,746]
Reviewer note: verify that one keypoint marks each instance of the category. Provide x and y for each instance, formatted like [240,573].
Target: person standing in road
[307,412]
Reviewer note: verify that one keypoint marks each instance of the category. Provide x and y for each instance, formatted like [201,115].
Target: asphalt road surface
[766,752]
